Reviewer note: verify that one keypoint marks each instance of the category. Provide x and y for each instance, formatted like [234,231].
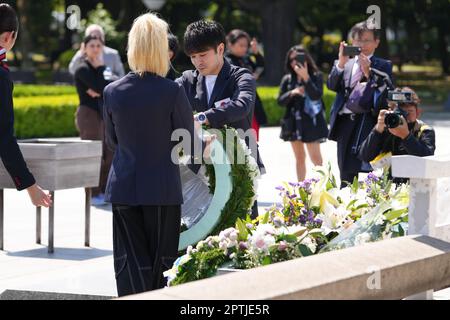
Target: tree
[278,27]
[438,15]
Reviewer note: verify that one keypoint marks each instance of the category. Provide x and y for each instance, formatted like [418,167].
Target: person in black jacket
[302,125]
[142,111]
[412,136]
[238,44]
[221,93]
[10,153]
[173,51]
[91,77]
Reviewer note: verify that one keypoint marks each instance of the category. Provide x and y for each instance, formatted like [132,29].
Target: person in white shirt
[221,93]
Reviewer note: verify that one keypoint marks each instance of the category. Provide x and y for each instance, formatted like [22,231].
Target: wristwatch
[201,117]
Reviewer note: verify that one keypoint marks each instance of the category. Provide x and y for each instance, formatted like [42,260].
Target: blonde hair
[148,46]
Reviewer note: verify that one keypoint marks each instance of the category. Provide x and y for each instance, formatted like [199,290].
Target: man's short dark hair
[202,36]
[8,19]
[361,27]
[173,43]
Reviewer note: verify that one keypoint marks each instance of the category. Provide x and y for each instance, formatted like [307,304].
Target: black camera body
[393,119]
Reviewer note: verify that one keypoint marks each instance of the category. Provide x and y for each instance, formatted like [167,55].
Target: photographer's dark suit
[350,130]
[237,84]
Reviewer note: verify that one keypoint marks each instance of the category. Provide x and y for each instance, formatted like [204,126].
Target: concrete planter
[59,164]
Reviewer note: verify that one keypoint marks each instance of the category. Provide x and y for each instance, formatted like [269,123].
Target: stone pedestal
[56,165]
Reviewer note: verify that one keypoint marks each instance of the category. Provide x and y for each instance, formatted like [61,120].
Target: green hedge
[48,111]
[45,116]
[23,90]
[275,112]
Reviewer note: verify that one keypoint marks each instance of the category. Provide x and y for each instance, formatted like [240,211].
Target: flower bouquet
[314,216]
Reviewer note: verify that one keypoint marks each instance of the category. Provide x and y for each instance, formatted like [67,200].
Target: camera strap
[348,88]
[355,147]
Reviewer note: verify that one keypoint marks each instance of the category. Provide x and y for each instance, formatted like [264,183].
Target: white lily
[333,218]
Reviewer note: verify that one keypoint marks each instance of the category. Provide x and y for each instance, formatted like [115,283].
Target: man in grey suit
[111,56]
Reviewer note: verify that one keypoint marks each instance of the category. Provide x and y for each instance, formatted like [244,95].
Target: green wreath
[234,194]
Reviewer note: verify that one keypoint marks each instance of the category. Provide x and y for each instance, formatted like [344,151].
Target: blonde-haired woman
[141,111]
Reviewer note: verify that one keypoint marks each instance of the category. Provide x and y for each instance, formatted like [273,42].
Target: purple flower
[302,219]
[306,184]
[293,184]
[243,245]
[280,188]
[292,196]
[292,208]
[277,221]
[318,221]
[310,216]
[371,178]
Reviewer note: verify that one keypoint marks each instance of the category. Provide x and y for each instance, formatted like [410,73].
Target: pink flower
[260,244]
[282,246]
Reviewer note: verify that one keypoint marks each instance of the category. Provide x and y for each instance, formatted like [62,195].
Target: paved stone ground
[74,269]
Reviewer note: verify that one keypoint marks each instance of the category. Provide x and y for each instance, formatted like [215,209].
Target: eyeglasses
[363,42]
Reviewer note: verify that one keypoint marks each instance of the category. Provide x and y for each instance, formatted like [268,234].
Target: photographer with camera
[353,113]
[399,131]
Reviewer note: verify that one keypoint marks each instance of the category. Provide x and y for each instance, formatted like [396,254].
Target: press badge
[383,160]
[222,103]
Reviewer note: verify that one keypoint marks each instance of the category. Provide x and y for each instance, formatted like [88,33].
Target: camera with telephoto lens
[393,119]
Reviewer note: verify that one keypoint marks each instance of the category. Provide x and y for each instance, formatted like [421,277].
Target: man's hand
[342,59]
[38,197]
[402,130]
[380,126]
[364,64]
[208,141]
[198,125]
[93,94]
[302,71]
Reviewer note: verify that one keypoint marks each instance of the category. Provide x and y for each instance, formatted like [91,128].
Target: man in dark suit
[223,94]
[347,128]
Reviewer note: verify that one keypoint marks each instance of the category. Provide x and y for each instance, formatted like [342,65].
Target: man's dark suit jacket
[140,114]
[235,83]
[364,123]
